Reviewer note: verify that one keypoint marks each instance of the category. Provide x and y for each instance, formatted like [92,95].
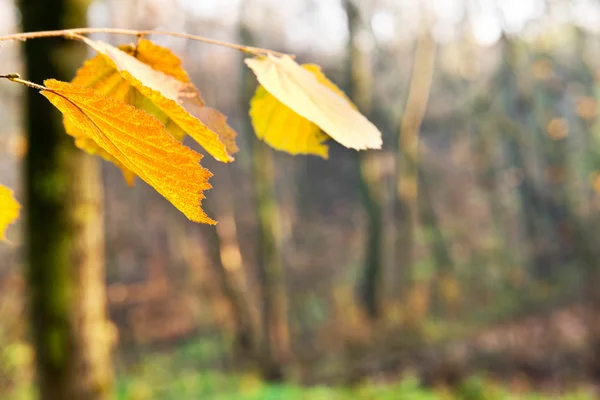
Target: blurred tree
[407,212]
[438,247]
[579,229]
[274,341]
[515,106]
[360,77]
[218,240]
[64,231]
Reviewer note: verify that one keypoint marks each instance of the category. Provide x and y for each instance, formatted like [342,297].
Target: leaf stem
[66,32]
[10,76]
[17,78]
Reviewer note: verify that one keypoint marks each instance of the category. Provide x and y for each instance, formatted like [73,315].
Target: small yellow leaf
[139,142]
[314,98]
[177,100]
[159,58]
[9,210]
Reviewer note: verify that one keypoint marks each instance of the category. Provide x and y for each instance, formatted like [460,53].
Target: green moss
[56,346]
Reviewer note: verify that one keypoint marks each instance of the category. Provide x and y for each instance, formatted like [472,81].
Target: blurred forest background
[464,256]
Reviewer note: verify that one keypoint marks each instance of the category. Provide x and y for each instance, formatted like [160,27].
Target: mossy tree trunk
[360,84]
[274,339]
[64,228]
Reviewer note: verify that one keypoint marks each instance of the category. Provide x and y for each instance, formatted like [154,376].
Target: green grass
[161,384]
[158,379]
[182,374]
[211,386]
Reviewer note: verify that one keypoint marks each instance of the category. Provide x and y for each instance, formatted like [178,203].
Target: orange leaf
[170,92]
[139,142]
[96,73]
[159,58]
[100,74]
[163,60]
[9,210]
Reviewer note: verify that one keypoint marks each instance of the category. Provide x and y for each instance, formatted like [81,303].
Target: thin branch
[66,32]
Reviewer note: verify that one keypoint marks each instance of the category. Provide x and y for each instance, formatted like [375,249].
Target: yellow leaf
[9,210]
[282,128]
[139,142]
[216,121]
[87,144]
[99,75]
[162,88]
[315,98]
[163,60]
[159,58]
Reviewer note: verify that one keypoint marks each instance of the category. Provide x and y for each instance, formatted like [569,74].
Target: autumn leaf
[139,142]
[159,58]
[88,145]
[155,82]
[98,74]
[306,92]
[282,128]
[163,60]
[9,210]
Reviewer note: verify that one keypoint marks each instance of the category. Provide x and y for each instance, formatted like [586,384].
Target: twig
[66,32]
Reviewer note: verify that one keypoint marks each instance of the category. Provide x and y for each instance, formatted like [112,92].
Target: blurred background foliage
[460,261]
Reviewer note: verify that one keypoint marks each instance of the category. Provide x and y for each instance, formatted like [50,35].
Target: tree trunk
[407,188]
[231,289]
[437,245]
[275,333]
[274,341]
[64,228]
[360,76]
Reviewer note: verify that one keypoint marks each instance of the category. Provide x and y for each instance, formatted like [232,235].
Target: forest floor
[537,357]
[194,385]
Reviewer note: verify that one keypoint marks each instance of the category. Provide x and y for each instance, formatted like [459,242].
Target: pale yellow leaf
[139,142]
[282,128]
[307,95]
[9,210]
